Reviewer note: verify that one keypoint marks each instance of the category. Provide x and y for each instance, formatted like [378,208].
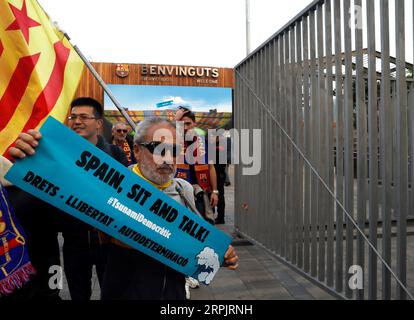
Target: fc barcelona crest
[122,70]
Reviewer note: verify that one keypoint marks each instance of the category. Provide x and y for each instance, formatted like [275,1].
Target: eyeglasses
[122,130]
[151,146]
[82,117]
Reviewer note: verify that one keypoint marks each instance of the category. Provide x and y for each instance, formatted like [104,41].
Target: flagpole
[103,84]
[247,27]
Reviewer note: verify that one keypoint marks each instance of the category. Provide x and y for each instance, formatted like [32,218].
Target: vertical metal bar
[246,125]
[238,194]
[238,111]
[258,179]
[411,147]
[314,148]
[262,125]
[361,142]
[249,125]
[274,149]
[321,146]
[329,151]
[271,144]
[278,149]
[283,139]
[289,170]
[293,153]
[237,92]
[269,203]
[261,177]
[411,126]
[253,115]
[239,191]
[307,124]
[373,150]
[401,154]
[349,134]
[386,136]
[299,128]
[259,125]
[237,183]
[339,146]
[266,205]
[243,115]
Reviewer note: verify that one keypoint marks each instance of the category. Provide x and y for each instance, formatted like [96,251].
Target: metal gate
[333,198]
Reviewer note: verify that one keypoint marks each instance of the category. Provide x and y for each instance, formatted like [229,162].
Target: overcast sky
[182,32]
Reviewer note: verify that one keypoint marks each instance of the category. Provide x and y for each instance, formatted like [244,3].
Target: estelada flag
[39,70]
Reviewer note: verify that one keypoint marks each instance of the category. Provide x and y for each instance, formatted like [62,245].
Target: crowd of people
[123,272]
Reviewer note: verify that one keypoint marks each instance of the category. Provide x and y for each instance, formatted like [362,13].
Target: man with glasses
[82,246]
[130,274]
[120,139]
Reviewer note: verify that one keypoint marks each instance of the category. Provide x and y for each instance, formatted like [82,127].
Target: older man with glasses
[131,274]
[121,139]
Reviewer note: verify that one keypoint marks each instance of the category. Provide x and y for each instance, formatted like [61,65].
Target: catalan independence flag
[39,70]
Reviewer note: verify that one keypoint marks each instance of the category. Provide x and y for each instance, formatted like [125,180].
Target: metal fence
[328,102]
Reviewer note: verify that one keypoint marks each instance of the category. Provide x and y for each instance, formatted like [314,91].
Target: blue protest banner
[70,173]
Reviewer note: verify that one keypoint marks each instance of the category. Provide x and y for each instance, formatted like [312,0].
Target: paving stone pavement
[260,276]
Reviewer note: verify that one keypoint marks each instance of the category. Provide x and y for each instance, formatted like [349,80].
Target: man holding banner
[82,247]
[131,274]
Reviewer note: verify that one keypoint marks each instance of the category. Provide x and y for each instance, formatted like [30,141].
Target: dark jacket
[130,142]
[112,150]
[132,275]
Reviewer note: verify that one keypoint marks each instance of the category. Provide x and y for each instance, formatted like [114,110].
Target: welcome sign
[73,175]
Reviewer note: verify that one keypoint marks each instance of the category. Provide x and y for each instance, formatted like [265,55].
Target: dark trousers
[226,172]
[82,250]
[221,179]
[132,275]
[221,202]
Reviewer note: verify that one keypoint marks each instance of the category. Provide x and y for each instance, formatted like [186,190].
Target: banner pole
[103,84]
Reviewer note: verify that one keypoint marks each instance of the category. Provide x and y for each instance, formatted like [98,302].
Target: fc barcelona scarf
[201,168]
[125,147]
[15,266]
